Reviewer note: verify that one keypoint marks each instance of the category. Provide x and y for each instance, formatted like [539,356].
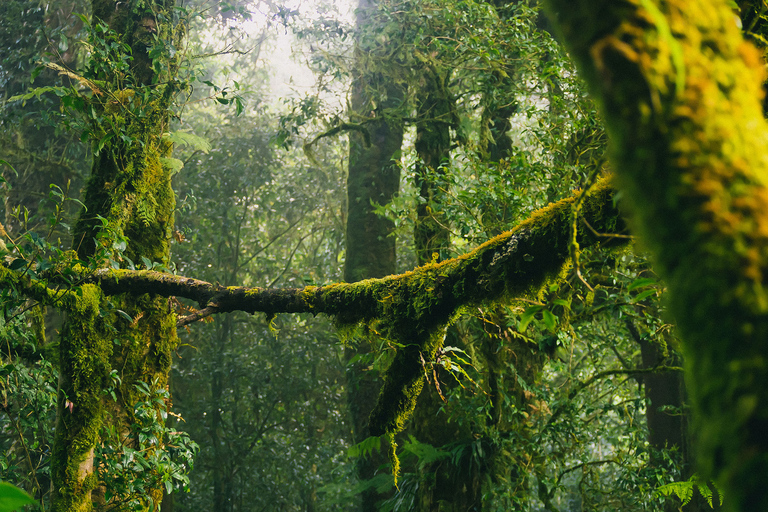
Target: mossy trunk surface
[680,92]
[374,178]
[131,190]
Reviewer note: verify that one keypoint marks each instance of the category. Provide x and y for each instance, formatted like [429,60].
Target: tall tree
[129,208]
[373,178]
[680,94]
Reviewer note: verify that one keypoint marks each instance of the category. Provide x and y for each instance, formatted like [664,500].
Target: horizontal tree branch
[508,265]
[410,309]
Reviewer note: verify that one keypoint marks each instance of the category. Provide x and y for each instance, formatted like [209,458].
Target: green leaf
[125,315]
[642,295]
[189,139]
[34,93]
[550,320]
[365,447]
[174,164]
[5,162]
[12,498]
[640,283]
[528,316]
[17,264]
[103,142]
[426,453]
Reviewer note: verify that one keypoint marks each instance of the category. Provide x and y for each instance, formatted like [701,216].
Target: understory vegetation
[404,282]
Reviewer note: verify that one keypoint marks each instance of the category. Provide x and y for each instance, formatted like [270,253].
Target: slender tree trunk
[374,176]
[433,144]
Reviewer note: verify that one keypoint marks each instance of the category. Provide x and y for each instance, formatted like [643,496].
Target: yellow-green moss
[85,349]
[680,92]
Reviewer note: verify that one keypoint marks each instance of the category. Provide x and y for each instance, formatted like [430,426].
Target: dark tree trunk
[374,177]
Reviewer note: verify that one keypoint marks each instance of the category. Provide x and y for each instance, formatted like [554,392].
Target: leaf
[528,316]
[640,283]
[191,140]
[12,498]
[683,490]
[17,264]
[34,93]
[5,162]
[173,164]
[642,295]
[550,320]
[365,447]
[103,142]
[125,315]
[426,453]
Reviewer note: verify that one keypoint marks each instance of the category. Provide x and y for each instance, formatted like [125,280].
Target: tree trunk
[374,176]
[131,190]
[680,93]
[433,144]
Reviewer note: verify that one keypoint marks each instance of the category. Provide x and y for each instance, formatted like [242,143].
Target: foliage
[12,498]
[685,490]
[151,455]
[28,399]
[264,398]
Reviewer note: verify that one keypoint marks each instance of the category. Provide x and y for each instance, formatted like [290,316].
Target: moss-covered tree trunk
[680,92]
[128,215]
[433,144]
[374,177]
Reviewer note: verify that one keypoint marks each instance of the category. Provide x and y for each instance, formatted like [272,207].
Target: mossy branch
[410,309]
[506,266]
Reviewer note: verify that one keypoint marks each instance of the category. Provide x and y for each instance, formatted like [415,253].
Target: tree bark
[374,178]
[680,92]
[130,189]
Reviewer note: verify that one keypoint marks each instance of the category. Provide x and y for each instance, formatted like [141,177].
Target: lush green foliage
[547,393]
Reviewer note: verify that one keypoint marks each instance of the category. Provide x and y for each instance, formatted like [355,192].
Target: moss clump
[85,350]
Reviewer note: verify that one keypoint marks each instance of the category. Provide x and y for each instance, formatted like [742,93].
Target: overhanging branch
[509,265]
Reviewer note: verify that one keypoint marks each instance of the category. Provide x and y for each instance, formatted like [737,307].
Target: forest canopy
[411,286]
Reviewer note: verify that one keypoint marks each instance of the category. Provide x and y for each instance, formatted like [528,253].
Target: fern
[684,490]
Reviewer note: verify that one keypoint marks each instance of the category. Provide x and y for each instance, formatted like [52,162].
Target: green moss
[681,92]
[85,349]
[412,310]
